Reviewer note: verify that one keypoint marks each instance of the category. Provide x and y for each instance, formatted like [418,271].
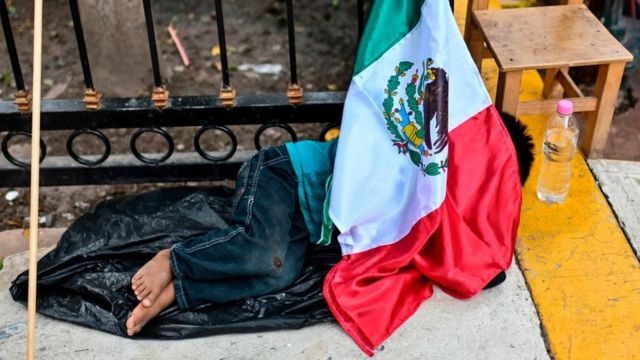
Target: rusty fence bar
[227,93]
[153,49]
[222,44]
[292,43]
[82,47]
[11,46]
[92,98]
[294,91]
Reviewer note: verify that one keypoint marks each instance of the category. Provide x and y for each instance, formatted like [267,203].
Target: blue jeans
[263,248]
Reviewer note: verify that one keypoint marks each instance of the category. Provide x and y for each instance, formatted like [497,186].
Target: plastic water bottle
[559,146]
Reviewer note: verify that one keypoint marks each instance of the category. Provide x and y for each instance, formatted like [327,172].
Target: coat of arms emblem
[418,122]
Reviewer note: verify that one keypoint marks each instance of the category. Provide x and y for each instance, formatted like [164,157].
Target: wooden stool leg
[606,90]
[475,42]
[508,91]
[552,88]
[472,35]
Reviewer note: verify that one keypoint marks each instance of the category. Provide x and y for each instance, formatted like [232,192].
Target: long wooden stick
[35,178]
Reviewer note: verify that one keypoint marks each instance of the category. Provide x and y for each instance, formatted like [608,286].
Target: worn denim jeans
[263,248]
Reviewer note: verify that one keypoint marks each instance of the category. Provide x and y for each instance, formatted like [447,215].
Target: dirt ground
[256,33]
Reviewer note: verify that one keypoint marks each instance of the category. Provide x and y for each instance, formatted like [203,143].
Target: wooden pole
[35,178]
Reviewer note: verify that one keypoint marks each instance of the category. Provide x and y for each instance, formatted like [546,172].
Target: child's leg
[191,293]
[264,221]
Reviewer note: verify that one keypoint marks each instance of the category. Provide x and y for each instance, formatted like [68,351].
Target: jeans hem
[181,296]
[172,263]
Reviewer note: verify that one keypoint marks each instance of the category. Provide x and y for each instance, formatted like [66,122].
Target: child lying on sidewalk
[278,208]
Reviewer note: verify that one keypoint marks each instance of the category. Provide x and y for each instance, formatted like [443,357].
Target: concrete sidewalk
[620,181]
[500,323]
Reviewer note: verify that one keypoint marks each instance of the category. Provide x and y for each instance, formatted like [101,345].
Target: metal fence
[92,114]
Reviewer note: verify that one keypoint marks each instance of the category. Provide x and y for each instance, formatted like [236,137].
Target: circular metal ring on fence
[206,155]
[287,128]
[326,130]
[11,158]
[148,160]
[85,161]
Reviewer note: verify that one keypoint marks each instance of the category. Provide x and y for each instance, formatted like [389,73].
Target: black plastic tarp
[86,278]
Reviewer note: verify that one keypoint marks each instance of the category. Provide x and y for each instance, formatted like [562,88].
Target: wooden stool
[554,38]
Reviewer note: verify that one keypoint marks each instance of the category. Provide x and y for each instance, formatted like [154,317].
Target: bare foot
[141,315]
[152,278]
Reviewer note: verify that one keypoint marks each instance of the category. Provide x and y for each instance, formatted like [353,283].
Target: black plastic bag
[86,278]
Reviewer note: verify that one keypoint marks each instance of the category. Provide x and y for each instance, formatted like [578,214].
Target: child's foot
[141,315]
[152,278]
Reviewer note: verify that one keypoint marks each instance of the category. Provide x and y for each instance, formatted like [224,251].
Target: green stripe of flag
[389,21]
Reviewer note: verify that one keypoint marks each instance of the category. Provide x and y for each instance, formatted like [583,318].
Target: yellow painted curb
[583,275]
[580,268]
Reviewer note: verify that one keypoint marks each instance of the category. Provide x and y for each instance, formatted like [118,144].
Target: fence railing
[92,114]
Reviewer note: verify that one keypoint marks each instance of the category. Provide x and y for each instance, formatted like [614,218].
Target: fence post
[117,45]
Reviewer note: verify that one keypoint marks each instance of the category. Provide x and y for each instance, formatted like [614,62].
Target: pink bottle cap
[565,107]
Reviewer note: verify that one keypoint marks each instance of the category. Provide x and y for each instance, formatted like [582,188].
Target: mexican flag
[426,187]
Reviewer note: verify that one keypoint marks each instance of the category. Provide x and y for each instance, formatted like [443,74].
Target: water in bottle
[559,146]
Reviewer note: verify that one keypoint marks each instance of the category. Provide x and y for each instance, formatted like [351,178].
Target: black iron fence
[92,114]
